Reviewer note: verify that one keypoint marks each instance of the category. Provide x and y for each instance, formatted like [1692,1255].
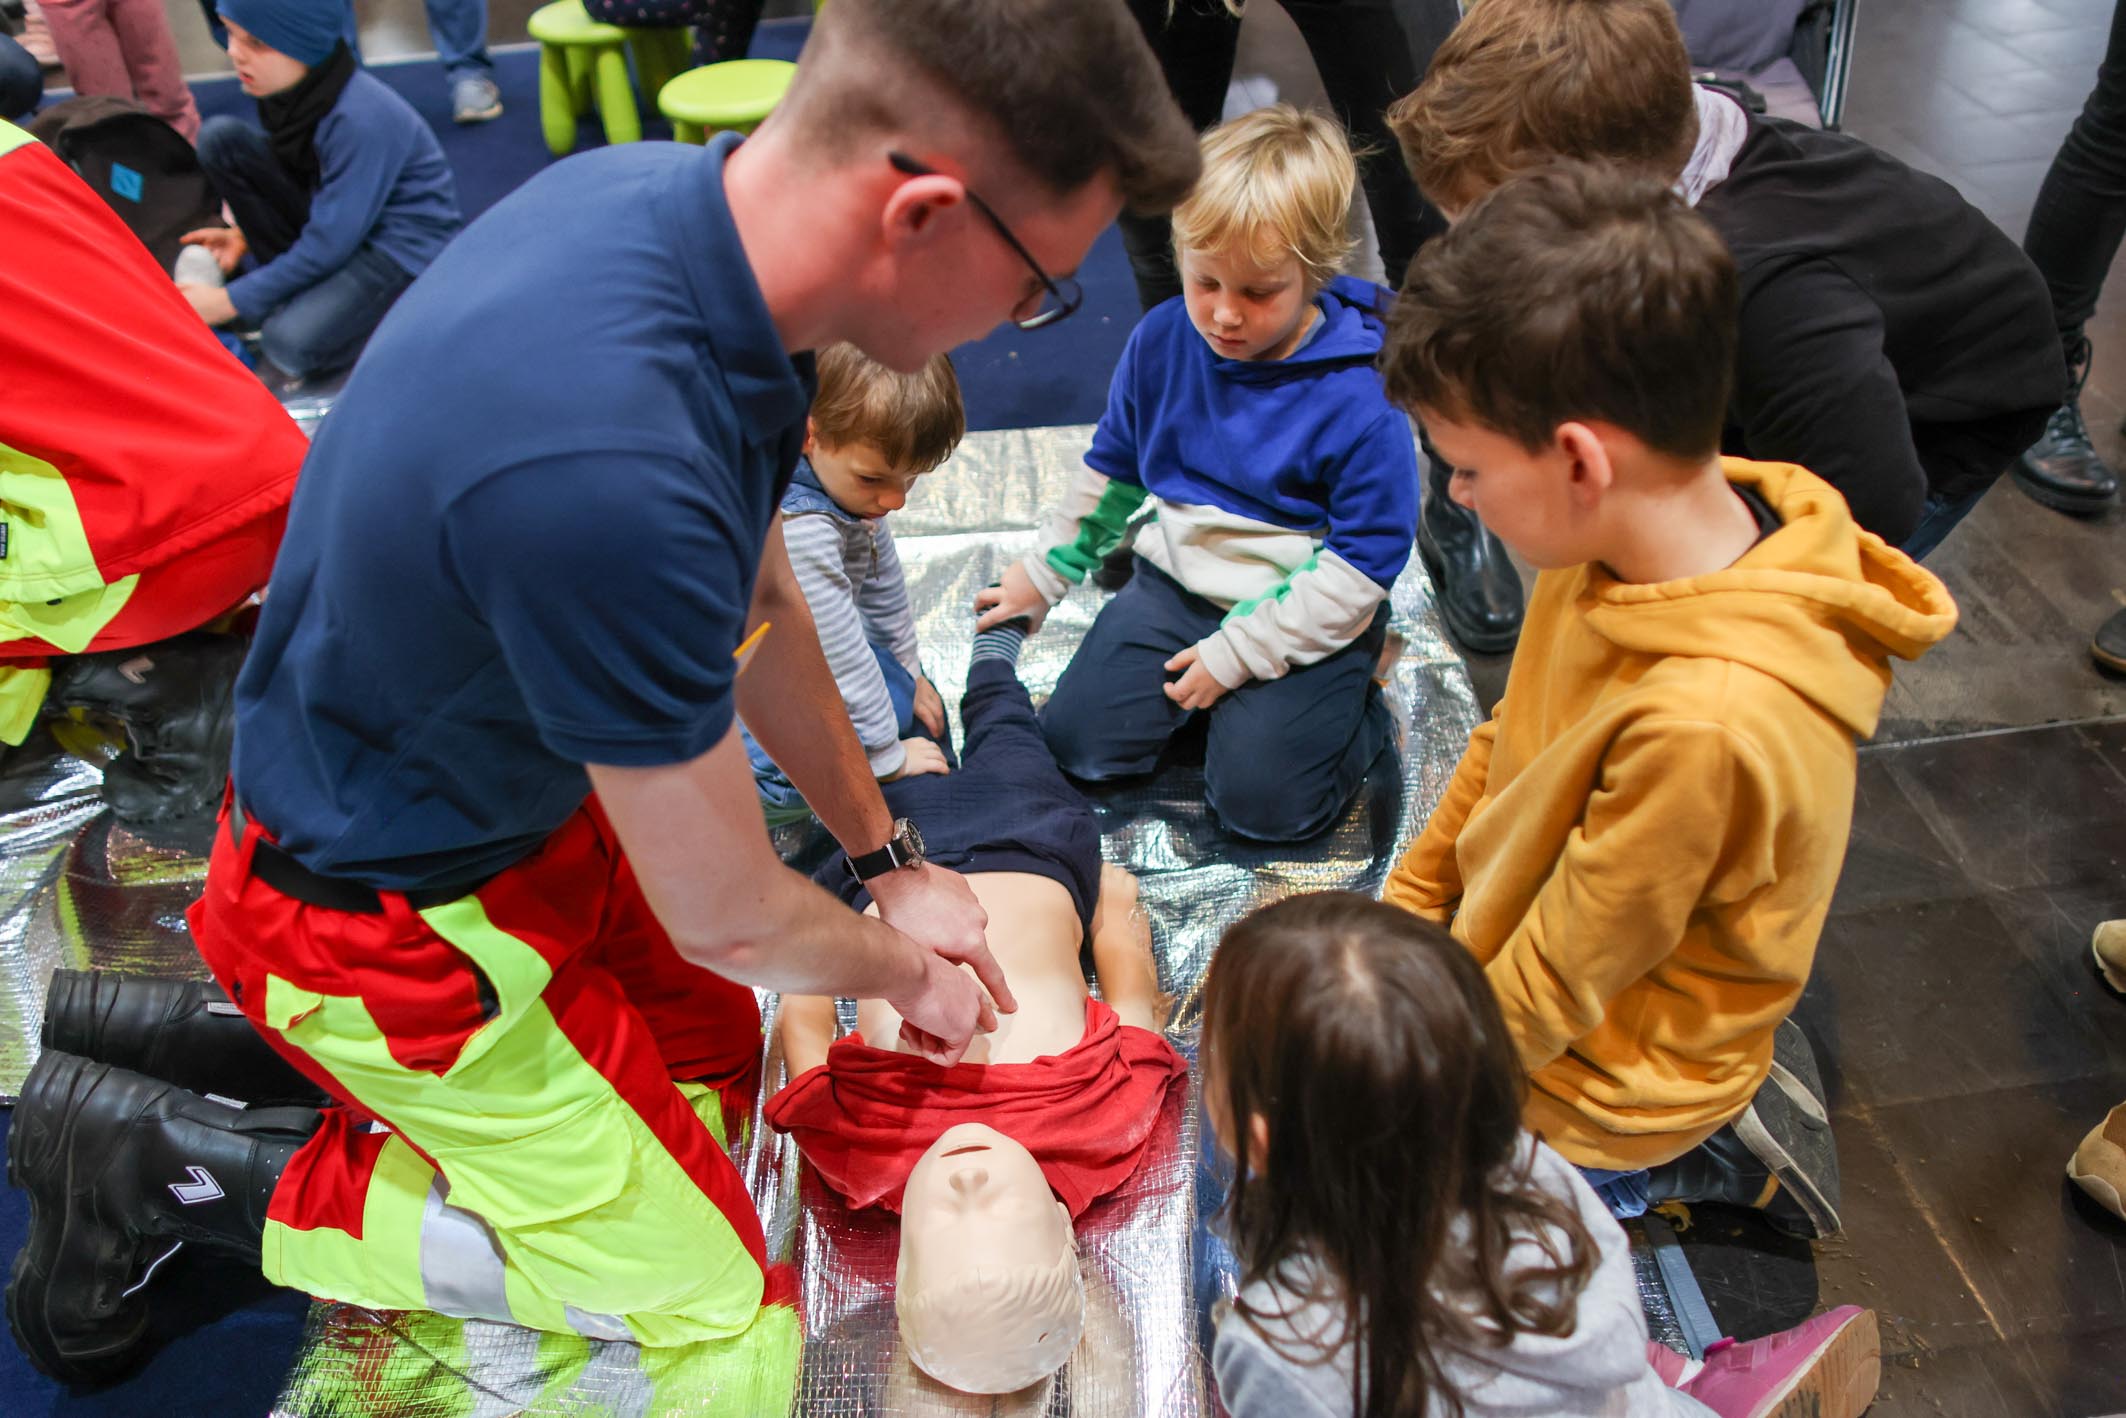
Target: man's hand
[929,706]
[1015,595]
[211,302]
[923,757]
[1196,689]
[936,909]
[225,242]
[940,1019]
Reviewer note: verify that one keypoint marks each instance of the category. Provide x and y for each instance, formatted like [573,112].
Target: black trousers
[2081,209]
[1366,63]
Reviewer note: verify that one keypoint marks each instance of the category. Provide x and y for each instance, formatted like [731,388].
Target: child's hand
[226,243]
[1196,689]
[1015,595]
[211,302]
[929,706]
[923,757]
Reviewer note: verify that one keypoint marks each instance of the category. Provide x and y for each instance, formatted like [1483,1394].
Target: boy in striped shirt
[870,435]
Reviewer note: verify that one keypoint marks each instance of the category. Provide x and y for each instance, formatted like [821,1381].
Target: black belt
[335,893]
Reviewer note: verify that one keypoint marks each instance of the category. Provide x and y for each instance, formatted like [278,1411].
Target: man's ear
[914,207]
[1589,470]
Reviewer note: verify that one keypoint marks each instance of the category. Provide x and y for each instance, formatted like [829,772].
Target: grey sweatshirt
[1600,1370]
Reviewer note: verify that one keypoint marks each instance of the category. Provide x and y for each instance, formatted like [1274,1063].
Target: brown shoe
[2098,1166]
[2108,945]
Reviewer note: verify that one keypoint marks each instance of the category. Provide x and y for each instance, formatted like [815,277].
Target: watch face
[906,834]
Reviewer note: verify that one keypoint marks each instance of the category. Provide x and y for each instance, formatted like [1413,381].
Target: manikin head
[987,1288]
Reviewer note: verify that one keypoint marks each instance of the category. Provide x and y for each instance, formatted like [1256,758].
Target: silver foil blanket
[74,890]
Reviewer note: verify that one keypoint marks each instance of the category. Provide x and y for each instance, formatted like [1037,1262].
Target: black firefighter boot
[1478,590]
[2063,470]
[181,1031]
[176,699]
[123,1170]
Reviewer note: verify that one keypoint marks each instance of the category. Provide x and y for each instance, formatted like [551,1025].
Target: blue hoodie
[1286,490]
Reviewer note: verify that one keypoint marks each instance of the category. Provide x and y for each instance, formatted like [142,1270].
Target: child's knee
[1257,799]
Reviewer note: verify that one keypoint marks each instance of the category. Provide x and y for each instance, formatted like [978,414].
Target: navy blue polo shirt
[526,537]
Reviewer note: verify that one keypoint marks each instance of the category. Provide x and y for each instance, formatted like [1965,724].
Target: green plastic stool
[581,59]
[734,95]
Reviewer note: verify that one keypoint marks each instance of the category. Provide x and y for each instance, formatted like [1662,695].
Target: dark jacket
[1894,341]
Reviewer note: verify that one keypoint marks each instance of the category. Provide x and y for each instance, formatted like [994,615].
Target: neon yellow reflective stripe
[1099,531]
[1243,609]
[583,1199]
[21,697]
[382,1267]
[48,553]
[12,137]
[70,622]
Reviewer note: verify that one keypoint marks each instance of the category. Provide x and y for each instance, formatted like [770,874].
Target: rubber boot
[1473,579]
[184,1032]
[176,700]
[122,1170]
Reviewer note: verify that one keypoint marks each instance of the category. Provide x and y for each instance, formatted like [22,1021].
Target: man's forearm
[808,943]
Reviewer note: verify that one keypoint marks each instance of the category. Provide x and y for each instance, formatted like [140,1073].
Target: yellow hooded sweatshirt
[1640,844]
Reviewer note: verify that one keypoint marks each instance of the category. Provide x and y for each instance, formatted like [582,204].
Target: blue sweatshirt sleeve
[1113,454]
[357,166]
[1373,500]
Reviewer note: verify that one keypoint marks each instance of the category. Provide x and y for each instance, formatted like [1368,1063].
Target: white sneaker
[475,99]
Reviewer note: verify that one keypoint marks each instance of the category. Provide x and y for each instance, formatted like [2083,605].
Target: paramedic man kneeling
[492,828]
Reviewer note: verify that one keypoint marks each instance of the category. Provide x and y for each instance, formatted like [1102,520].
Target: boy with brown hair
[870,435]
[1892,339]
[1641,843]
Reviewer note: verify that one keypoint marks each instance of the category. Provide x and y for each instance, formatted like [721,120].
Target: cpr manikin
[987,1286]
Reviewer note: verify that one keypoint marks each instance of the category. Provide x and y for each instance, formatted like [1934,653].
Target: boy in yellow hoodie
[1641,843]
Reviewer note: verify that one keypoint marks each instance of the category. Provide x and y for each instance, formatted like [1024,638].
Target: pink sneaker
[1826,1367]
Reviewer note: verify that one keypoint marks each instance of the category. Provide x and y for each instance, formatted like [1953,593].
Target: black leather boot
[181,1031]
[176,701]
[1479,591]
[2062,470]
[121,1171]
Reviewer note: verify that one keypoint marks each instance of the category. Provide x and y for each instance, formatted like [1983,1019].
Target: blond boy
[1282,493]
[1641,844]
[871,433]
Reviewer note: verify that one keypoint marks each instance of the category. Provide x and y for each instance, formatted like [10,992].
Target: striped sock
[999,642]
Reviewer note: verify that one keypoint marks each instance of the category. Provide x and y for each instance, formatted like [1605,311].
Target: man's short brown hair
[1572,293]
[913,420]
[1520,82]
[1068,88]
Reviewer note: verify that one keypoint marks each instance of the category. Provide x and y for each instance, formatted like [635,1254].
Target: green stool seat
[582,60]
[734,95]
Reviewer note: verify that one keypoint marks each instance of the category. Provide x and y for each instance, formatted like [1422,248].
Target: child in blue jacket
[341,200]
[1282,490]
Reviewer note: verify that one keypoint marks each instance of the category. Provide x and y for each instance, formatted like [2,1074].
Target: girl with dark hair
[1406,1250]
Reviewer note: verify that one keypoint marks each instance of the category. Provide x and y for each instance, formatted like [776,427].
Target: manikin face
[978,1219]
[1242,310]
[858,477]
[261,69]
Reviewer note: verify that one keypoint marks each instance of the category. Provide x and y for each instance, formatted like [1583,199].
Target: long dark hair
[1369,1042]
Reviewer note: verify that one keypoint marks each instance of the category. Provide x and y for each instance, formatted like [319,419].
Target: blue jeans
[1624,1193]
[459,29]
[779,797]
[1937,518]
[1282,757]
[321,328]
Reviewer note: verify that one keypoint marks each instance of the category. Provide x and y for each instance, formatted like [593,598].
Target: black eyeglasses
[1064,294]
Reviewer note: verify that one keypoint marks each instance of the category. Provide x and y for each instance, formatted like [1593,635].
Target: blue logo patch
[126,182]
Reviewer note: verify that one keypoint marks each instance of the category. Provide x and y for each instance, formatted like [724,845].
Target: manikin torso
[1037,947]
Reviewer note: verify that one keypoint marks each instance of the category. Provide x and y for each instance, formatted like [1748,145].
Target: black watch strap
[877,864]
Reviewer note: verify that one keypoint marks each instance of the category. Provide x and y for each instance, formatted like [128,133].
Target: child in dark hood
[341,200]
